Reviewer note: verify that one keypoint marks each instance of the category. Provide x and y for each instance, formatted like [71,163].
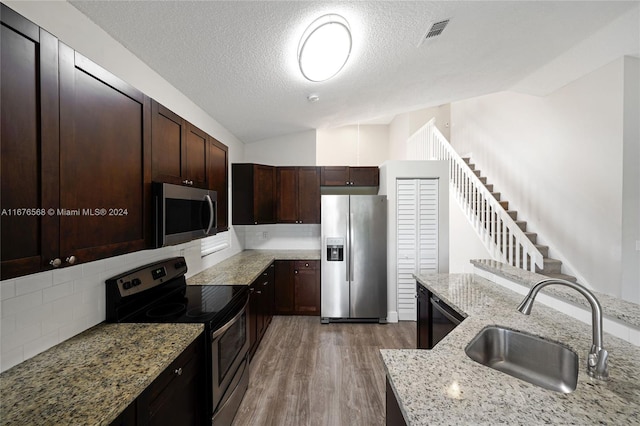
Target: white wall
[404,125]
[358,145]
[631,182]
[40,310]
[297,149]
[390,171]
[558,160]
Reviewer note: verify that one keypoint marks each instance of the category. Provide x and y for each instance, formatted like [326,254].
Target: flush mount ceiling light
[324,47]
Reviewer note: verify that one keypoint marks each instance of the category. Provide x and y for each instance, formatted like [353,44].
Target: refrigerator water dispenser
[335,249]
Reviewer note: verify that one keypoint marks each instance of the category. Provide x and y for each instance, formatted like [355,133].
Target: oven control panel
[148,276]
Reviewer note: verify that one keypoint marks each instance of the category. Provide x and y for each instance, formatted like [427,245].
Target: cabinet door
[284,288]
[252,316]
[307,287]
[335,176]
[287,194]
[219,180]
[29,144]
[195,157]
[168,135]
[177,396]
[364,176]
[264,186]
[105,161]
[308,195]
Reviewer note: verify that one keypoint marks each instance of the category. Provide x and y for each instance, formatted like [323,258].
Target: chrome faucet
[597,359]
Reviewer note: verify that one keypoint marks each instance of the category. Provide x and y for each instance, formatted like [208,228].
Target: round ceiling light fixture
[324,47]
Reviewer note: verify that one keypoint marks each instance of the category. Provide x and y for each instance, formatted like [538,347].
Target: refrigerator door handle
[351,240]
[347,249]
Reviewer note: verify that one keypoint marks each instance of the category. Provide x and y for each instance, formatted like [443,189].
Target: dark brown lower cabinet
[260,307]
[177,396]
[297,288]
[393,413]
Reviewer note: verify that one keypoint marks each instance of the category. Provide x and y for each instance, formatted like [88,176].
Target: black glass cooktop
[199,304]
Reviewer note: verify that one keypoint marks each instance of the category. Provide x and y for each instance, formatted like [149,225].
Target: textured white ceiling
[237,59]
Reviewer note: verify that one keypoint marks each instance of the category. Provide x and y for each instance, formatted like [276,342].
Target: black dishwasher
[435,318]
[443,320]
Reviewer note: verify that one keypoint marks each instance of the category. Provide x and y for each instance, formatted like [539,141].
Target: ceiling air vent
[436,29]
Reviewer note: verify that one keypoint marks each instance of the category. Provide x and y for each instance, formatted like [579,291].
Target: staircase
[504,236]
[552,268]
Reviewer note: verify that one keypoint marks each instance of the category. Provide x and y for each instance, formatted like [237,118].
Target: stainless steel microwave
[183,213]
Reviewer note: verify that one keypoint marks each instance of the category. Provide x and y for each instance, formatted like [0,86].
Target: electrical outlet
[264,235]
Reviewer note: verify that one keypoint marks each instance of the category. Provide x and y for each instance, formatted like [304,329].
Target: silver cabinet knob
[55,262]
[295,272]
[178,371]
[70,260]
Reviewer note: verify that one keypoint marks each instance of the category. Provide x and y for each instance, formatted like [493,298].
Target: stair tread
[561,276]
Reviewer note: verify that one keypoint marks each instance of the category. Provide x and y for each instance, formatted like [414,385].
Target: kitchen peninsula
[444,386]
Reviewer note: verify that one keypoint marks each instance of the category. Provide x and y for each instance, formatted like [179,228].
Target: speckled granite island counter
[243,268]
[443,386]
[92,377]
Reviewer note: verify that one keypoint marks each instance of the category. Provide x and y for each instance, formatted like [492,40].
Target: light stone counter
[244,267]
[443,386]
[91,378]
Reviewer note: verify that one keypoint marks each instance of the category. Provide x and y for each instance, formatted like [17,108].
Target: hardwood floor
[307,373]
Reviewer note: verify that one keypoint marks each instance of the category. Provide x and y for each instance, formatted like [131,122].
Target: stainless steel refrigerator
[354,258]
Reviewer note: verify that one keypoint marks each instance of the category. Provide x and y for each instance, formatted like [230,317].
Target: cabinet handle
[265,283]
[70,260]
[258,292]
[187,182]
[178,371]
[295,272]
[347,183]
[55,262]
[306,265]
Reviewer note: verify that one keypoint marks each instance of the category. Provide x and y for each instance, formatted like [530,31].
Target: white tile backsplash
[7,289]
[281,237]
[33,283]
[41,310]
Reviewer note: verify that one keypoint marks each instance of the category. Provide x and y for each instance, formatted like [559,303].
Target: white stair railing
[499,233]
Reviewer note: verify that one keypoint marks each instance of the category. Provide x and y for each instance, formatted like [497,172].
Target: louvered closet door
[417,214]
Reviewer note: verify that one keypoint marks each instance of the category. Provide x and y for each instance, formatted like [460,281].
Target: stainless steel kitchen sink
[530,358]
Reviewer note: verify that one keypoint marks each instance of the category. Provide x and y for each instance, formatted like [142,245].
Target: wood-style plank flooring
[307,373]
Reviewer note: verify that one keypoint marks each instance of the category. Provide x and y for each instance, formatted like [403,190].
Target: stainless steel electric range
[158,293]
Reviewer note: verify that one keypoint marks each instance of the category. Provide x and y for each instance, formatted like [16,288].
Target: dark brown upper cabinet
[253,189]
[30,145]
[219,180]
[180,149]
[105,161]
[350,176]
[76,147]
[298,194]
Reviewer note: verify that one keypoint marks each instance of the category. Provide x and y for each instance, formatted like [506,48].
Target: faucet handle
[598,367]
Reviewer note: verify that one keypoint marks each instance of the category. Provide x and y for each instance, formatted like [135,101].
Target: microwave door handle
[211,213]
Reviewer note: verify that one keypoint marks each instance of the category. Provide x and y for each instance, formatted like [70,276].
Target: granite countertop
[244,267]
[613,307]
[91,378]
[443,386]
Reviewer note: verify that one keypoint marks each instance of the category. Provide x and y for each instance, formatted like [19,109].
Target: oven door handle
[228,325]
